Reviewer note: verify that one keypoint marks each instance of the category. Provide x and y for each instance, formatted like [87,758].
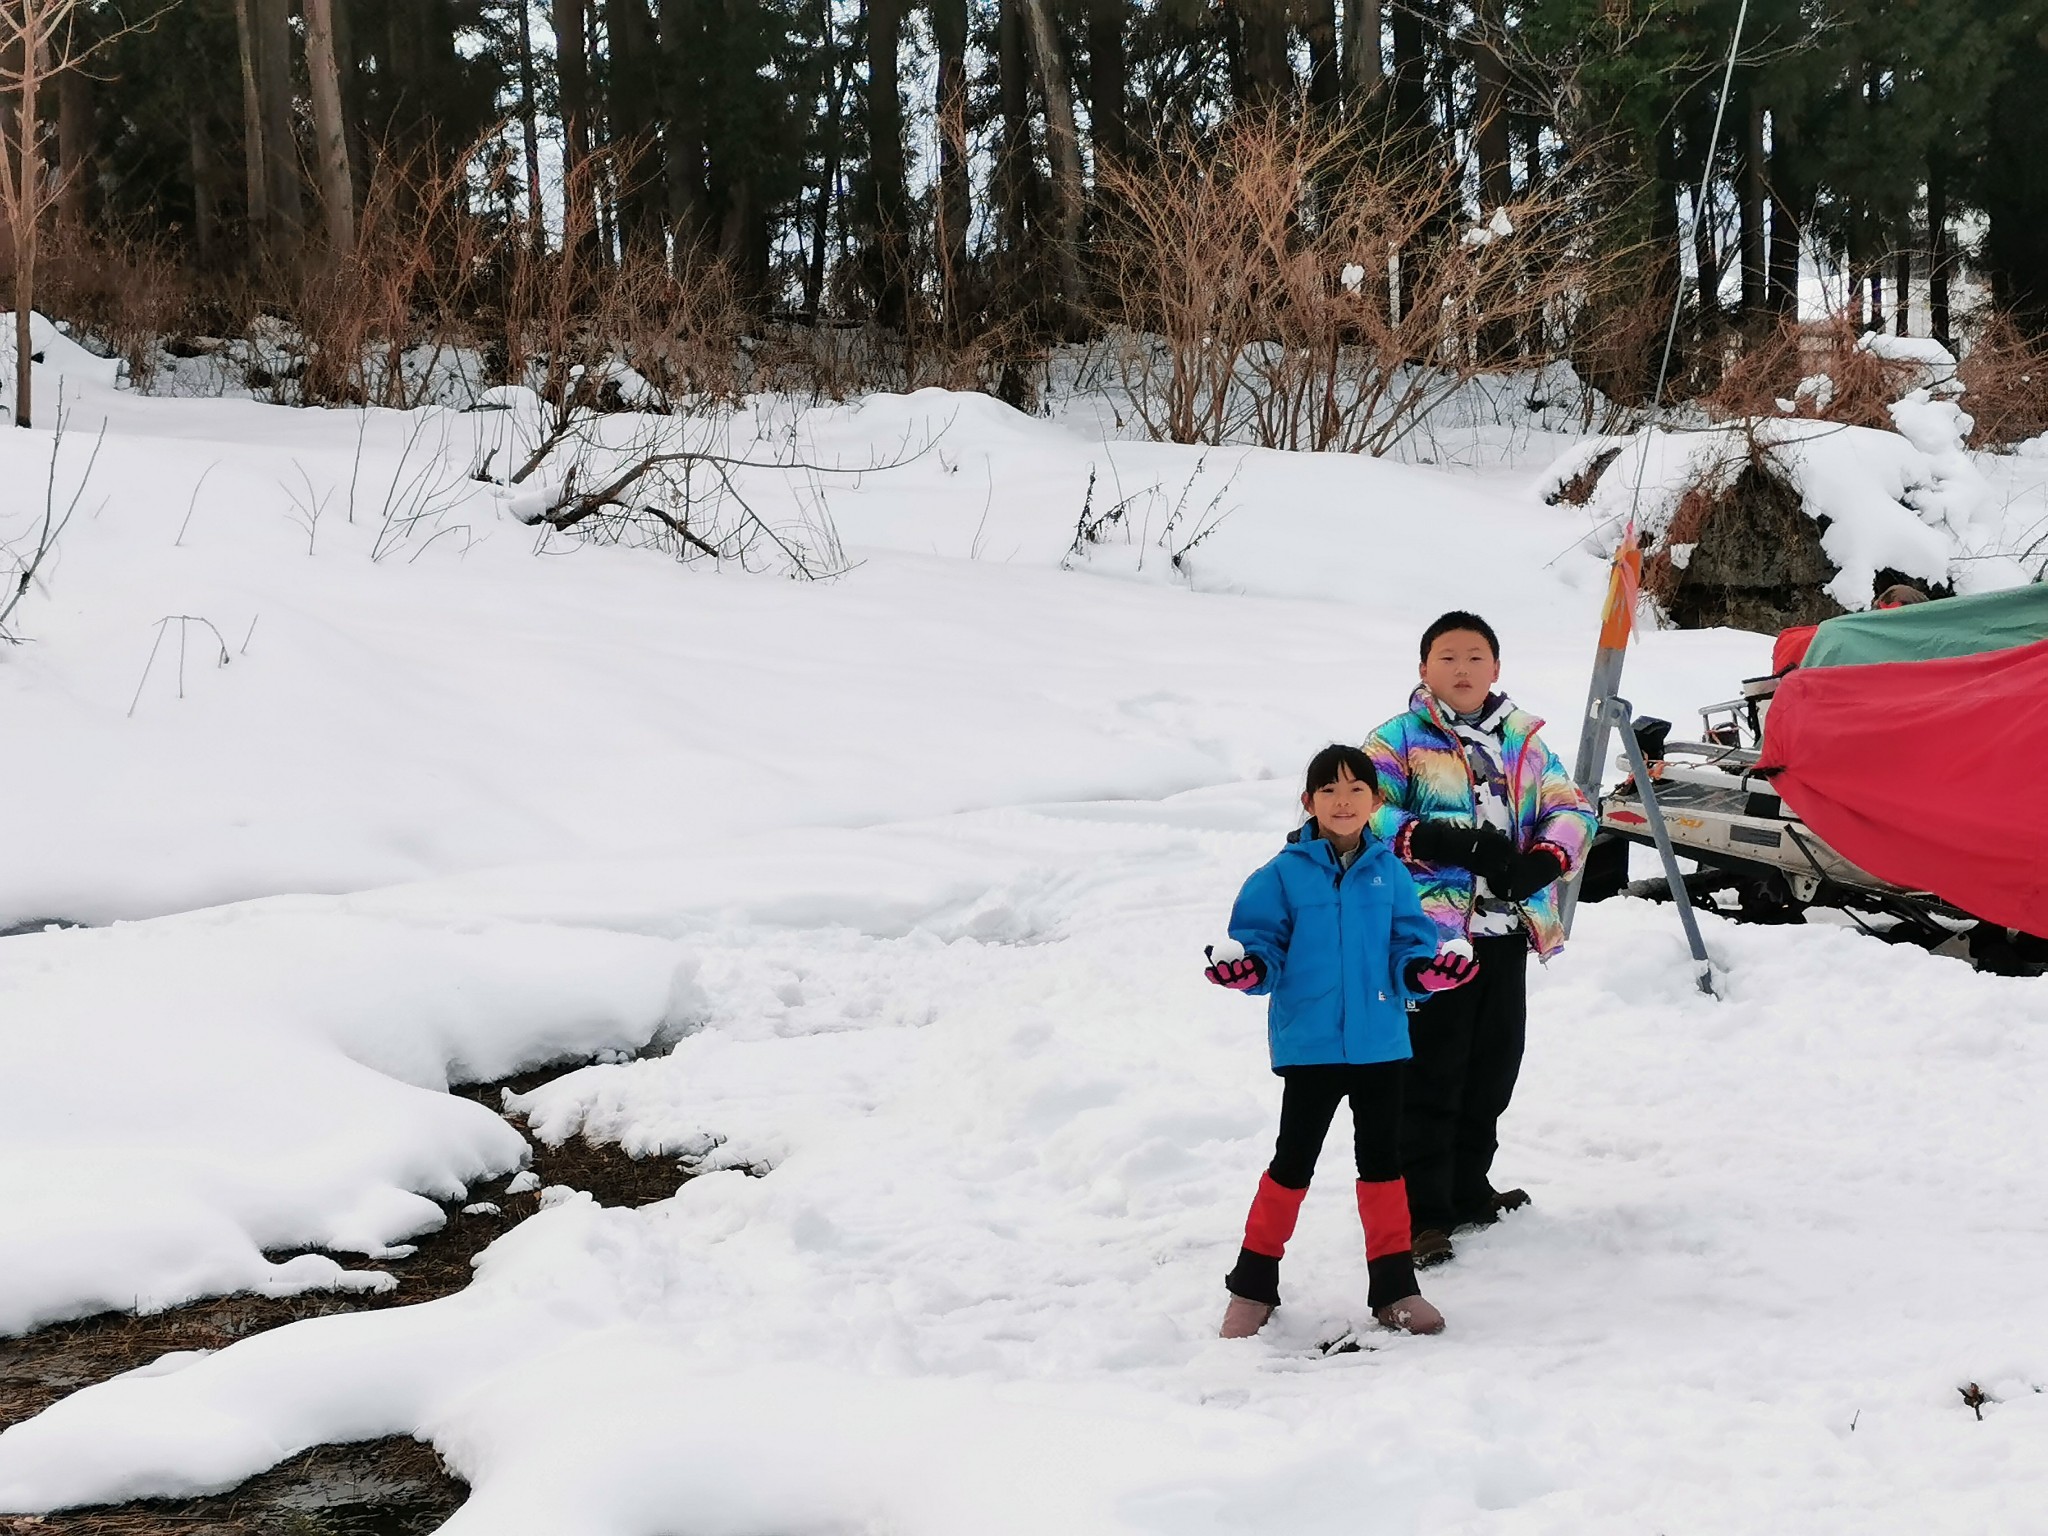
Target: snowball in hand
[1462,948]
[1224,951]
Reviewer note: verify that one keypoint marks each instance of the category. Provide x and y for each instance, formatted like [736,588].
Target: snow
[1932,366]
[184,1094]
[879,903]
[1912,500]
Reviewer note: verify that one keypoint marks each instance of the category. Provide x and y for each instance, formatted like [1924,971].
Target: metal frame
[1620,716]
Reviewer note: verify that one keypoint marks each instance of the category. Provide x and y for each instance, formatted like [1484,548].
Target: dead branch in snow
[49,528]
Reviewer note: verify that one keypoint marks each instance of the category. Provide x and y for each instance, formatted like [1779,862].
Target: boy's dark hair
[1458,618]
[1325,767]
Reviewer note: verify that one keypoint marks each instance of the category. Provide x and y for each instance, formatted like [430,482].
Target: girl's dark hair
[1324,768]
[1458,619]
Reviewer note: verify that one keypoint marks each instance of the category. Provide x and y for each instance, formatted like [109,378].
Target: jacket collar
[1516,724]
[1308,840]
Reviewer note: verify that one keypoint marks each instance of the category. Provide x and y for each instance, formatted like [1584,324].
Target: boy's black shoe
[1501,1202]
[1431,1248]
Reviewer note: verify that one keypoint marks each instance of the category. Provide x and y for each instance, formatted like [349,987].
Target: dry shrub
[1294,286]
[115,289]
[1772,364]
[412,279]
[2004,375]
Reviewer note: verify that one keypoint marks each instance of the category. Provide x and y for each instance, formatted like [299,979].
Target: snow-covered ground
[914,868]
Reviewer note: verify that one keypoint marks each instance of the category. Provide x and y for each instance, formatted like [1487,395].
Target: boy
[1331,928]
[1489,821]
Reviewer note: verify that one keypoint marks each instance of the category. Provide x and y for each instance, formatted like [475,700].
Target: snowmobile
[1889,768]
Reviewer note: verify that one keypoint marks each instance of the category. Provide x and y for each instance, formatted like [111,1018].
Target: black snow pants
[1468,1052]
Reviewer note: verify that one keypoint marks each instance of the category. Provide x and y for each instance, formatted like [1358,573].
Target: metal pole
[1621,716]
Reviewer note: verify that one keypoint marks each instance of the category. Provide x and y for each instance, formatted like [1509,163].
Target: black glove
[1486,851]
[1532,871]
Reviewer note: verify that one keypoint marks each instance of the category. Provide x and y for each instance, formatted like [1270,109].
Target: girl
[1333,931]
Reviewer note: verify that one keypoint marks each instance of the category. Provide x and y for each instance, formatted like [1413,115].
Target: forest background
[848,194]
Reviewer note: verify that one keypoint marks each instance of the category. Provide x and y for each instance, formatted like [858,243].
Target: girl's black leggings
[1308,1102]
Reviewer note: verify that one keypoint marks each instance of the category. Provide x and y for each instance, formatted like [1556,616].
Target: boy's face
[1461,669]
[1341,809]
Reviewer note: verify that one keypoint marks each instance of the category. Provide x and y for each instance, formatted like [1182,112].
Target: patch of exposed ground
[394,1487]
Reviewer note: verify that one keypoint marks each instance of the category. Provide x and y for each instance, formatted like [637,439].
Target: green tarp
[1952,626]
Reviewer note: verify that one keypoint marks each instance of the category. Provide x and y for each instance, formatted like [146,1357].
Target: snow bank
[409,696]
[179,1096]
[977,1282]
[1911,501]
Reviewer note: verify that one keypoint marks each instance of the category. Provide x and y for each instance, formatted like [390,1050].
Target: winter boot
[1243,1318]
[1495,1204]
[1432,1247]
[1254,1283]
[1411,1314]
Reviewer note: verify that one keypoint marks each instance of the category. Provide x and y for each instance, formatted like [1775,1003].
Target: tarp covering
[1953,626]
[1928,774]
[1791,647]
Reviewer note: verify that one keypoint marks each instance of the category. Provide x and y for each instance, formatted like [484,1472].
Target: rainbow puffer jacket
[1422,773]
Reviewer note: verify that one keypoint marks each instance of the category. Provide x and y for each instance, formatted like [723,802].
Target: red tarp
[1791,647]
[1930,774]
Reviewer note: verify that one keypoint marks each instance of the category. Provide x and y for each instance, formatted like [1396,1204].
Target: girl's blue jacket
[1335,942]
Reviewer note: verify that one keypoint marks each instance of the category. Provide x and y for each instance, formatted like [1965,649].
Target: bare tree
[337,191]
[1064,144]
[1297,289]
[41,41]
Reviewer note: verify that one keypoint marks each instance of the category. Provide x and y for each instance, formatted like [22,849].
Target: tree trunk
[1490,111]
[256,165]
[1268,72]
[337,188]
[529,125]
[1902,288]
[77,131]
[347,59]
[1750,198]
[205,216]
[633,118]
[1325,72]
[1786,201]
[682,128]
[280,149]
[1937,247]
[839,68]
[1063,145]
[888,210]
[828,173]
[572,84]
[1411,98]
[1108,109]
[1363,70]
[26,206]
[1013,163]
[953,206]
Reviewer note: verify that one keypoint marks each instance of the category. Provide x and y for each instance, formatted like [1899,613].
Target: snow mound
[1911,501]
[180,1096]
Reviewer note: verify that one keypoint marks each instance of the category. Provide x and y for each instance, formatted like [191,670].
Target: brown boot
[1411,1314]
[1243,1318]
[1431,1248]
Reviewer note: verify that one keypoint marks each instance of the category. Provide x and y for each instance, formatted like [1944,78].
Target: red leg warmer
[1383,1212]
[1272,1218]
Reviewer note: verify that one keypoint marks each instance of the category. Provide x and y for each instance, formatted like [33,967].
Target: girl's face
[1342,808]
